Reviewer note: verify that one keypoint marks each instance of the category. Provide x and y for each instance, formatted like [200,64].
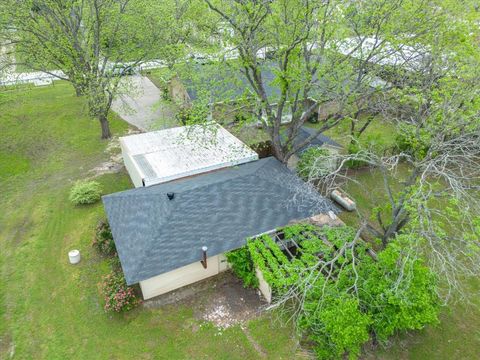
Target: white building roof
[165,155]
[384,53]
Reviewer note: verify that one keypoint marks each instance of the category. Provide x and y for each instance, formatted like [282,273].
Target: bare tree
[430,185]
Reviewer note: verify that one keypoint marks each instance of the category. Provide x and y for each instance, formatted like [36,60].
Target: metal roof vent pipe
[170,195]
[204,257]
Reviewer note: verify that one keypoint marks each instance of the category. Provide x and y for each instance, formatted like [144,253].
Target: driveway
[142,106]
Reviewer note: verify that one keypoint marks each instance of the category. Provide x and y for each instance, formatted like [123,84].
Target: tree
[339,292]
[312,49]
[93,42]
[430,180]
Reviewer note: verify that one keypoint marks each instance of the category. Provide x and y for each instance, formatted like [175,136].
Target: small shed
[165,155]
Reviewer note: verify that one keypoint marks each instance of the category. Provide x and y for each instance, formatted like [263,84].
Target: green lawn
[380,133]
[50,309]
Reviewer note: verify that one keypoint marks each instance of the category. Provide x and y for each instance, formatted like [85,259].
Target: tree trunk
[278,149]
[278,153]
[78,91]
[105,127]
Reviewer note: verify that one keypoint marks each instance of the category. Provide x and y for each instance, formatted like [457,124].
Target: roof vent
[204,257]
[170,195]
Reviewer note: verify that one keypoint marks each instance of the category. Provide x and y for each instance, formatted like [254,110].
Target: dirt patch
[221,300]
[231,304]
[7,347]
[115,162]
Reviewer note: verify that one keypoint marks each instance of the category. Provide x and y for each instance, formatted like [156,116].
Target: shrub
[409,142]
[242,266]
[85,192]
[337,327]
[354,148]
[314,163]
[103,239]
[118,296]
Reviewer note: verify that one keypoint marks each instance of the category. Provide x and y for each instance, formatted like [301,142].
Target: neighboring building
[160,231]
[229,94]
[223,89]
[383,53]
[318,140]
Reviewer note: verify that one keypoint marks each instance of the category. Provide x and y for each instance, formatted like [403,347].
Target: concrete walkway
[142,105]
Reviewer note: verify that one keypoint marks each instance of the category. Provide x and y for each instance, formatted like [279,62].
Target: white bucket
[74,256]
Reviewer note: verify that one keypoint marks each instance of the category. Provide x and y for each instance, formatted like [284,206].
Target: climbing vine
[345,293]
[242,265]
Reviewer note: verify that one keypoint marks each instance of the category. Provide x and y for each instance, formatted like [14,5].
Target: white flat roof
[174,153]
[383,52]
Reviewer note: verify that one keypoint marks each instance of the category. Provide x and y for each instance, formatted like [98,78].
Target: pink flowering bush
[118,296]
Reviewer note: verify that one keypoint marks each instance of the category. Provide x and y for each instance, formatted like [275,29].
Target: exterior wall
[177,91]
[223,264]
[183,276]
[264,288]
[133,170]
[328,109]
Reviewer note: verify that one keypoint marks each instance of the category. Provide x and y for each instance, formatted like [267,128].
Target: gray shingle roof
[220,210]
[225,83]
[319,140]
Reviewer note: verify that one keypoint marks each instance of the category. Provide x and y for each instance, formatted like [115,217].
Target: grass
[50,309]
[159,76]
[380,133]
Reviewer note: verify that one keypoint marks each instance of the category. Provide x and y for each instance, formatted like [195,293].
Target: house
[383,53]
[176,232]
[227,92]
[318,140]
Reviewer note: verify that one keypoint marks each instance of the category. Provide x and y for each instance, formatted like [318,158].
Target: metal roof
[382,52]
[170,154]
[219,210]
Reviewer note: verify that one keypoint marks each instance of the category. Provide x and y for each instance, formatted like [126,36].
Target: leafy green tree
[336,326]
[315,159]
[322,57]
[93,42]
[398,291]
[342,294]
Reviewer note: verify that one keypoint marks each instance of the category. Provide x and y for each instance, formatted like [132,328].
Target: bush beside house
[117,295]
[85,192]
[103,239]
[242,265]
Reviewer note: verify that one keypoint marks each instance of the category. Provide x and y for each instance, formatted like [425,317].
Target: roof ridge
[165,219]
